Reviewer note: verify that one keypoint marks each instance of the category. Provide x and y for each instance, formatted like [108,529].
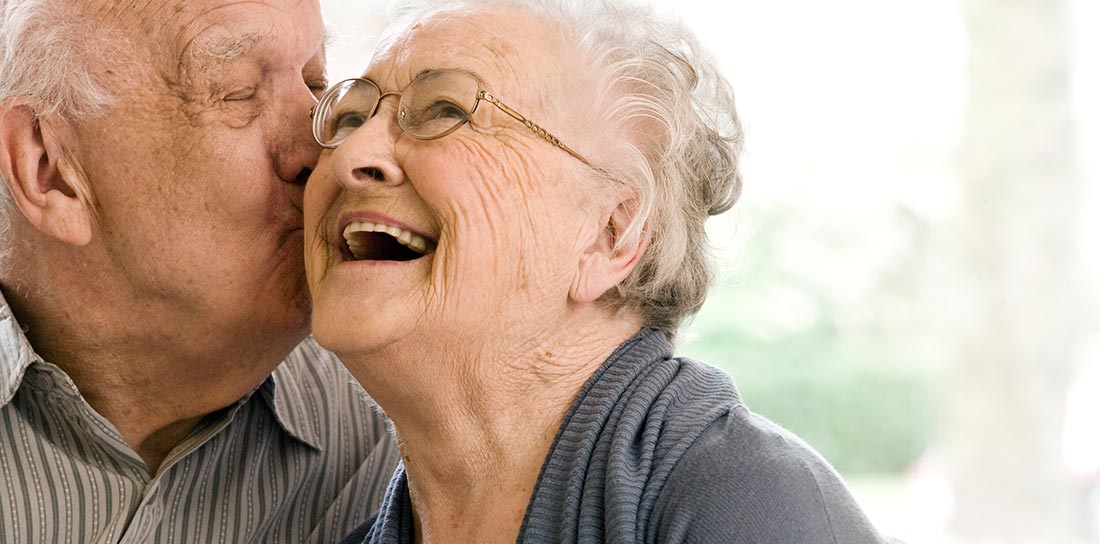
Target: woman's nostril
[371,172]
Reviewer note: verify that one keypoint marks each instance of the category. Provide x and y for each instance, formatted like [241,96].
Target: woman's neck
[475,427]
[473,483]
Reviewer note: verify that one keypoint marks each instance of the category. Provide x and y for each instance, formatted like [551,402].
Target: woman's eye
[345,122]
[445,109]
[348,119]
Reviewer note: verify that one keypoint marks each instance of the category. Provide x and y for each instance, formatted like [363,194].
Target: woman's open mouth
[366,241]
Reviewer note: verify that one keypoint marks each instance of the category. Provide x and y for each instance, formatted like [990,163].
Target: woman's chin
[344,335]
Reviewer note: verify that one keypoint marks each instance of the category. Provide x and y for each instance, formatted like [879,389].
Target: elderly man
[154,156]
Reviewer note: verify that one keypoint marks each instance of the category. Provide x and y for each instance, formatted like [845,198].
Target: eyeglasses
[435,104]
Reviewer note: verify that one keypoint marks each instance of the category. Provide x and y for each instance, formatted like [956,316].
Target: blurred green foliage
[830,349]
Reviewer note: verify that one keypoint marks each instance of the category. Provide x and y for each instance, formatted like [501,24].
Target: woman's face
[503,216]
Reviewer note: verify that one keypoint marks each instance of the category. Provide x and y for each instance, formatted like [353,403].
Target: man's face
[197,174]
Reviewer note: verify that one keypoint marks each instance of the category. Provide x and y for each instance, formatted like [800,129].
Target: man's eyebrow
[223,48]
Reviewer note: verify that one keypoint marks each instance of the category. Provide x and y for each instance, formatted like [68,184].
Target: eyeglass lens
[432,106]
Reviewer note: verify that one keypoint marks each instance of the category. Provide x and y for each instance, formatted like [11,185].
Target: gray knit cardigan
[658,449]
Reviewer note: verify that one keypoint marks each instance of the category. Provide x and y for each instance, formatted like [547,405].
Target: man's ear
[43,183]
[610,258]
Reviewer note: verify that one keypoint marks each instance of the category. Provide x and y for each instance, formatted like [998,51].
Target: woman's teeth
[413,241]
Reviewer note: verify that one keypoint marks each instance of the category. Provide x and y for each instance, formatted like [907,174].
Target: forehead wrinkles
[184,34]
[221,40]
[520,54]
[169,29]
[205,39]
[129,11]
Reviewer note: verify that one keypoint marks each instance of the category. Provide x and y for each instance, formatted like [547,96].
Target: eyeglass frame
[482,94]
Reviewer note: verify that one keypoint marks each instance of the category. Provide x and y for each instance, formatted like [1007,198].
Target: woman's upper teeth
[411,240]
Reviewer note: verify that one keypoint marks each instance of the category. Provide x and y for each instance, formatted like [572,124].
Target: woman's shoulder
[746,479]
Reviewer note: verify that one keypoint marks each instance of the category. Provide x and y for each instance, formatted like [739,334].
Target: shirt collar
[16,354]
[290,404]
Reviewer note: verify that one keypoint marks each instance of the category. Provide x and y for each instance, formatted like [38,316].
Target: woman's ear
[45,186]
[611,257]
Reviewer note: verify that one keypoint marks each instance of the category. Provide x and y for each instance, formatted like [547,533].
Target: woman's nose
[367,156]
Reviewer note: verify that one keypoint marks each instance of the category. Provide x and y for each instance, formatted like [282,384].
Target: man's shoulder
[309,353]
[314,394]
[318,371]
[16,354]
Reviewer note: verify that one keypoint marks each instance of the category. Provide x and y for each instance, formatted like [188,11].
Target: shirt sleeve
[746,480]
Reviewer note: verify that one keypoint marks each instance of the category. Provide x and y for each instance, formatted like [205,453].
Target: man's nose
[296,153]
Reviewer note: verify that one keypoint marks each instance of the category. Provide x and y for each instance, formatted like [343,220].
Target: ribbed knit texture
[657,449]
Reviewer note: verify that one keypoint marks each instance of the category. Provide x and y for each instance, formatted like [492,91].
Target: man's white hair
[46,48]
[679,145]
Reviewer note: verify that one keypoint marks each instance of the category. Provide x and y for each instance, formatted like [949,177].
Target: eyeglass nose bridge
[378,104]
[384,95]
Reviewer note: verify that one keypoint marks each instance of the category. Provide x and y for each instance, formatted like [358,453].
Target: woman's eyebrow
[471,72]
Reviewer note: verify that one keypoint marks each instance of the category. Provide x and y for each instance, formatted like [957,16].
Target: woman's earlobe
[42,184]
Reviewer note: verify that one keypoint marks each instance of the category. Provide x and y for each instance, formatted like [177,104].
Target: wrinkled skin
[507,209]
[164,237]
[197,181]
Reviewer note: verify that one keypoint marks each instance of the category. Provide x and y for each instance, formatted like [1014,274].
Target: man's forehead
[200,32]
[128,12]
[222,27]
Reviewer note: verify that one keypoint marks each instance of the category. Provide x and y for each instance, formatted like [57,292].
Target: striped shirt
[304,459]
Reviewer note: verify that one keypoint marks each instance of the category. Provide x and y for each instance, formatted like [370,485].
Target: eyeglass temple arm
[488,97]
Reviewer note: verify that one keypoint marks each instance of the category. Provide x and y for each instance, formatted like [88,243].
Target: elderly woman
[503,237]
